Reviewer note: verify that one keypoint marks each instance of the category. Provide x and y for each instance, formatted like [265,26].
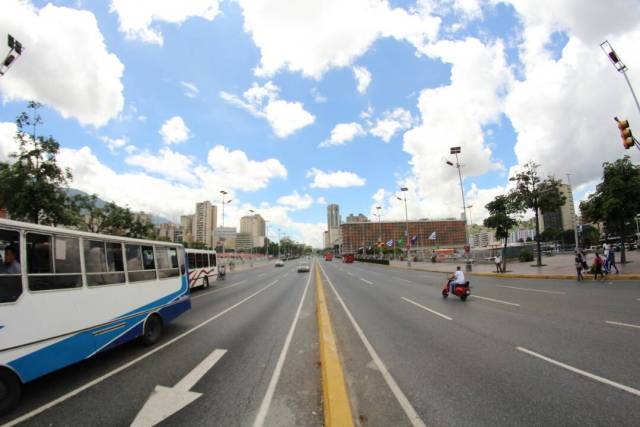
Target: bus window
[166,257]
[101,263]
[53,262]
[200,261]
[212,260]
[10,268]
[192,261]
[140,264]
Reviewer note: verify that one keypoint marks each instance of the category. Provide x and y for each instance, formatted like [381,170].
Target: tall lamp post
[379,216]
[573,211]
[406,223]
[251,211]
[620,67]
[224,193]
[456,151]
[16,50]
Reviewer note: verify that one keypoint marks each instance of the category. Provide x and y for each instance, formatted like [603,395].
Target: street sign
[456,150]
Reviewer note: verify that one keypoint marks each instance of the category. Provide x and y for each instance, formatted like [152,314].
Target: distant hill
[155,219]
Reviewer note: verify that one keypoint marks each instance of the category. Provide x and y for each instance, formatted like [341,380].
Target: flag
[400,242]
[432,236]
[414,240]
[390,243]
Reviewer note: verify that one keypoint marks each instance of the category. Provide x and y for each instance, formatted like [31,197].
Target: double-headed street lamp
[406,222]
[620,67]
[16,50]
[379,216]
[456,151]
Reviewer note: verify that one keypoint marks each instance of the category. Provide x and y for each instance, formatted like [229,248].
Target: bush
[525,256]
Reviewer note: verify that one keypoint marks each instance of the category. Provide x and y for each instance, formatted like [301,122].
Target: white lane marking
[437,313]
[628,325]
[285,274]
[261,274]
[121,368]
[532,290]
[366,281]
[411,413]
[218,290]
[404,280]
[268,397]
[166,401]
[496,300]
[349,273]
[619,386]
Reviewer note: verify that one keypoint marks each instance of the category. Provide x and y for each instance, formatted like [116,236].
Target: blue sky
[493,77]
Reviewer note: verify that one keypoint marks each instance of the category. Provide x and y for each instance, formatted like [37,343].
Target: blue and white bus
[67,295]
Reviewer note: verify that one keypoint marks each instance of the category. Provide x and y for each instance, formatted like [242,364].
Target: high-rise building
[205,220]
[243,241]
[253,225]
[563,218]
[186,226]
[357,218]
[226,235]
[325,238]
[168,231]
[333,216]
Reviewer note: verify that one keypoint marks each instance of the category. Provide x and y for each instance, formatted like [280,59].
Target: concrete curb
[336,405]
[610,277]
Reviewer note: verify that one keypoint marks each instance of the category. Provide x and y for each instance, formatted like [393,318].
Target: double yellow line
[337,407]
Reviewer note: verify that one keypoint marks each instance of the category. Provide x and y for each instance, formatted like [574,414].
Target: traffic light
[625,133]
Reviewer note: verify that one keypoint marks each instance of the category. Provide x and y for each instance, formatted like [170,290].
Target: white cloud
[180,182]
[167,163]
[114,143]
[343,133]
[174,131]
[321,200]
[191,90]
[363,77]
[8,144]
[337,179]
[312,37]
[135,18]
[317,96]
[455,115]
[296,201]
[67,67]
[285,117]
[392,122]
[562,110]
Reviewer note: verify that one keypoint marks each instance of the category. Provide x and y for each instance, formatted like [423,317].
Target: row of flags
[412,242]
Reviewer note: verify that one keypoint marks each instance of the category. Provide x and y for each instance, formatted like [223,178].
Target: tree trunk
[623,252]
[539,255]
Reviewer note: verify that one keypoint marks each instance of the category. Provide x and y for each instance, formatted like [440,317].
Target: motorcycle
[221,273]
[462,291]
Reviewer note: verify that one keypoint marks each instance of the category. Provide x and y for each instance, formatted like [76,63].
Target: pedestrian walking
[579,266]
[612,262]
[498,261]
[585,262]
[597,266]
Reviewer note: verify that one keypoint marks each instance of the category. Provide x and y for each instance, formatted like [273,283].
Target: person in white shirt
[498,261]
[456,279]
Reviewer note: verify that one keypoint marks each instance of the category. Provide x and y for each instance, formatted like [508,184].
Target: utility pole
[224,193]
[379,215]
[456,151]
[406,224]
[573,212]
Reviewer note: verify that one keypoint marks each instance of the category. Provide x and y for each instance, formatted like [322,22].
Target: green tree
[501,211]
[590,235]
[31,183]
[616,201]
[109,219]
[533,193]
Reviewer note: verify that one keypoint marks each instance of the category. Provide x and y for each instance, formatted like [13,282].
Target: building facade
[254,225]
[357,218]
[244,241]
[333,216]
[204,223]
[325,239]
[564,218]
[169,231]
[186,226]
[226,235]
[448,234]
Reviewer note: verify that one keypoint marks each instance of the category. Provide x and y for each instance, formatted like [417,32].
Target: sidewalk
[555,267]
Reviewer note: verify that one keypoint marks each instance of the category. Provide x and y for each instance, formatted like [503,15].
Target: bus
[67,295]
[202,267]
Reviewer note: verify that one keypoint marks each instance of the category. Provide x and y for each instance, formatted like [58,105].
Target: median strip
[337,407]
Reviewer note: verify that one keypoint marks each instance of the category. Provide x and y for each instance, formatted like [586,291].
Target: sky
[290,105]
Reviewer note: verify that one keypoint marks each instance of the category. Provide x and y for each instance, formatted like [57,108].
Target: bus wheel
[205,282]
[10,390]
[152,330]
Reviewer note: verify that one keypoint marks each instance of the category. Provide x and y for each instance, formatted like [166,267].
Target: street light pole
[379,215]
[575,222]
[406,224]
[620,67]
[251,247]
[224,193]
[456,151]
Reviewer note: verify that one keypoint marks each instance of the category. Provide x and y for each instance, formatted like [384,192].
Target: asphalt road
[250,315]
[518,352]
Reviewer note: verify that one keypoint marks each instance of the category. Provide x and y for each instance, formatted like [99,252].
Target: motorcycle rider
[456,279]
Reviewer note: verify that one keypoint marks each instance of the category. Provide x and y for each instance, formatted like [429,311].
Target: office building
[169,231]
[325,238]
[333,216]
[226,236]
[357,218]
[448,234]
[243,242]
[562,219]
[186,227]
[254,225]
[204,223]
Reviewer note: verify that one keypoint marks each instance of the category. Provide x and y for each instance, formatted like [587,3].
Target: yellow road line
[337,407]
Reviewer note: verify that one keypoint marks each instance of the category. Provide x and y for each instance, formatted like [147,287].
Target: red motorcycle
[462,291]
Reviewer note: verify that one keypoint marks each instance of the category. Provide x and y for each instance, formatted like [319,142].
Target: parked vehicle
[347,258]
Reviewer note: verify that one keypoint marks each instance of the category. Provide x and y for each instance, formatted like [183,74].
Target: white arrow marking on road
[166,401]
